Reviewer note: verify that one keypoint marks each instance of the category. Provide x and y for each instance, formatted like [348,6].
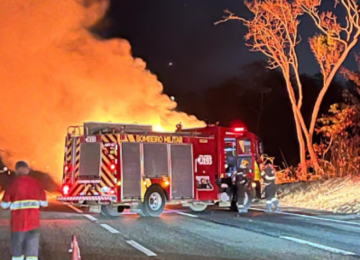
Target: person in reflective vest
[239,179]
[270,187]
[24,197]
[257,180]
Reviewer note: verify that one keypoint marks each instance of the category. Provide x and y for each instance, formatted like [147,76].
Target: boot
[276,204]
[268,208]
[243,211]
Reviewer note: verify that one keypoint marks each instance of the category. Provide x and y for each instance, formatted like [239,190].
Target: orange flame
[55,73]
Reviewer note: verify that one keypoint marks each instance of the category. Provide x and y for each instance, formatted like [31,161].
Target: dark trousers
[25,244]
[270,192]
[257,189]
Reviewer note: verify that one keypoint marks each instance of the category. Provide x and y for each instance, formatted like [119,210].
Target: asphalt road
[179,234]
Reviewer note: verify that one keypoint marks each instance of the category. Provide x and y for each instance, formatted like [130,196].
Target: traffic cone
[75,250]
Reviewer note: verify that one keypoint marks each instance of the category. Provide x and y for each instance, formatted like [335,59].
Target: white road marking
[74,208]
[331,249]
[110,229]
[313,217]
[187,214]
[319,218]
[141,248]
[164,212]
[90,217]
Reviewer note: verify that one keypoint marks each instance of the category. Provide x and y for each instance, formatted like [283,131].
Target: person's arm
[7,198]
[43,198]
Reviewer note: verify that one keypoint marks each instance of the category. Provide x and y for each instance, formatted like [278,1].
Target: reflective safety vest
[24,197]
[257,172]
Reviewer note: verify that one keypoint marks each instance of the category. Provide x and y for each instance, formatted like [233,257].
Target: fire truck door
[205,169]
[245,152]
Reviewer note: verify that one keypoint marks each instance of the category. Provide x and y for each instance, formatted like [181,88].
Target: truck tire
[111,211]
[154,202]
[198,207]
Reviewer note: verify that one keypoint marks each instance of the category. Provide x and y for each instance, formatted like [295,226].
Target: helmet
[244,164]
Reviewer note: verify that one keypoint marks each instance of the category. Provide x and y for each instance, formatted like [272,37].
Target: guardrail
[74,249]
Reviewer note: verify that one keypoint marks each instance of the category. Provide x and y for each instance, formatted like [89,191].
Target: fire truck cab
[110,167]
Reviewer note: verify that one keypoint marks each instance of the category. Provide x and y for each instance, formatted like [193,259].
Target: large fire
[55,73]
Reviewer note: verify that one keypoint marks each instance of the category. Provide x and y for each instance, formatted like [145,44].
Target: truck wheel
[154,202]
[198,207]
[111,211]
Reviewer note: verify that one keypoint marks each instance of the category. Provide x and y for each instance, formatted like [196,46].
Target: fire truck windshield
[244,147]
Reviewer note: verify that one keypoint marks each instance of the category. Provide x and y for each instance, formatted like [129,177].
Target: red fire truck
[109,167]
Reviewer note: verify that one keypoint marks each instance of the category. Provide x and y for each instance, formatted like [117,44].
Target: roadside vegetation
[330,166]
[337,186]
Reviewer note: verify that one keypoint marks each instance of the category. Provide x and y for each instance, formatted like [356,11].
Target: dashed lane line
[187,214]
[74,208]
[327,248]
[90,217]
[141,248]
[114,231]
[110,229]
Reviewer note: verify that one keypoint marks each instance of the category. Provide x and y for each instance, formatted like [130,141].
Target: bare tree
[274,31]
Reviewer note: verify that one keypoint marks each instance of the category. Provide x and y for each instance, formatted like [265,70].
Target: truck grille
[90,159]
[182,176]
[155,160]
[131,170]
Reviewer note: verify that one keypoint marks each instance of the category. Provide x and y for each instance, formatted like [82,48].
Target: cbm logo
[204,160]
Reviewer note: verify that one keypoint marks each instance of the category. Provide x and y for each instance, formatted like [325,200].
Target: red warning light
[239,129]
[66,190]
[112,167]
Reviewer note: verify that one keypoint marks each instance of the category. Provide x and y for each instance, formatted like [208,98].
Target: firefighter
[24,197]
[240,179]
[268,174]
[257,180]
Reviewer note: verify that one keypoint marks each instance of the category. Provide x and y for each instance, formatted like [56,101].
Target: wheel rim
[155,201]
[113,210]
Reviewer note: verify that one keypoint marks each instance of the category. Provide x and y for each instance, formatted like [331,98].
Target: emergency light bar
[239,129]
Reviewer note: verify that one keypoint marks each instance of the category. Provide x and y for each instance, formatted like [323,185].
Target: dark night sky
[183,32]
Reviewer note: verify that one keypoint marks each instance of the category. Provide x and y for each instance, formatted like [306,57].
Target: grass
[339,195]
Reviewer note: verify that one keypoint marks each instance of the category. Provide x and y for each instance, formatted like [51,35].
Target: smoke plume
[55,73]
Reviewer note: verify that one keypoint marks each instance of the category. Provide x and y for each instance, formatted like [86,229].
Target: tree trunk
[302,150]
[313,156]
[299,132]
[261,107]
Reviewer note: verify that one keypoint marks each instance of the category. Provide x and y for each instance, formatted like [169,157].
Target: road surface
[179,234]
